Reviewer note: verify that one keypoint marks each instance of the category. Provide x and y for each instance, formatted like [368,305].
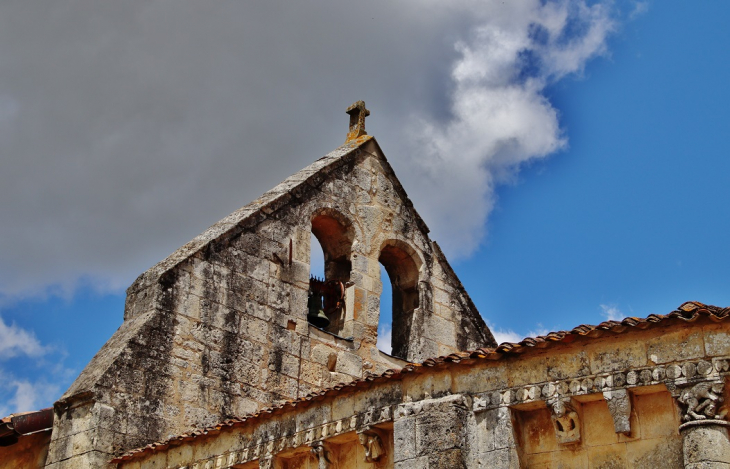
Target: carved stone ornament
[372,443]
[619,405]
[322,454]
[566,421]
[266,463]
[703,401]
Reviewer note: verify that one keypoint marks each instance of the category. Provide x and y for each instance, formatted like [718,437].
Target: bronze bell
[316,315]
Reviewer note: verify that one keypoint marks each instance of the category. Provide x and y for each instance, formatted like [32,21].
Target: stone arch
[336,235]
[403,265]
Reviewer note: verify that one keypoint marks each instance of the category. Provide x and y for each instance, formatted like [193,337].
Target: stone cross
[357,113]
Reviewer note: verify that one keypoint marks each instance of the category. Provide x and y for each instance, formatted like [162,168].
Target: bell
[316,315]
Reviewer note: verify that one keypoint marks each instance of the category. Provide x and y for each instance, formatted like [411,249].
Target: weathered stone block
[567,365]
[417,463]
[404,439]
[605,356]
[674,346]
[498,459]
[349,363]
[441,426]
[717,341]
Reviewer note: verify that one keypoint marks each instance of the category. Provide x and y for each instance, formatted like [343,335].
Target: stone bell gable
[220,328]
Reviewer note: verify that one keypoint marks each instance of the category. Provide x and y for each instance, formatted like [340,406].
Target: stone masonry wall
[219,329]
[577,404]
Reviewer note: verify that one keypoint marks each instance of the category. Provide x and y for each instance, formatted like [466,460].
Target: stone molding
[701,423]
[427,404]
[313,437]
[672,375]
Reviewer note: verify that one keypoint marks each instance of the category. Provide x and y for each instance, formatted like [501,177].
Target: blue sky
[620,210]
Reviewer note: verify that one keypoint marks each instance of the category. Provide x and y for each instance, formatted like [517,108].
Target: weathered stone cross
[357,113]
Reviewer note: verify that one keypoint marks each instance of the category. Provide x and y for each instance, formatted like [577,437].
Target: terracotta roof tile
[690,311]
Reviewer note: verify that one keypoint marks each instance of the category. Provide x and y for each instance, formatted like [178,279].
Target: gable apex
[269,202]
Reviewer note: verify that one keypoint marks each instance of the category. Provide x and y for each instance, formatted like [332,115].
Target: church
[231,355]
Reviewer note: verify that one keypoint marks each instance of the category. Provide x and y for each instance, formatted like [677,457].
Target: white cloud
[612,313]
[16,341]
[385,335]
[126,144]
[501,118]
[509,335]
[26,396]
[22,354]
[506,335]
[639,9]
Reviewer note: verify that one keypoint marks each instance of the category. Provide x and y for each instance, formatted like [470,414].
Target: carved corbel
[619,405]
[703,402]
[266,463]
[565,421]
[322,454]
[372,442]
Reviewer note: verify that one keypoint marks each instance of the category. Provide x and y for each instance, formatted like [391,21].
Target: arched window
[335,235]
[401,263]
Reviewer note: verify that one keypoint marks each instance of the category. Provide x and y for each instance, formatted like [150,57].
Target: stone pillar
[705,444]
[432,433]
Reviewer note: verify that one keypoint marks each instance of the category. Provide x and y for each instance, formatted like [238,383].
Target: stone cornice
[671,375]
[262,449]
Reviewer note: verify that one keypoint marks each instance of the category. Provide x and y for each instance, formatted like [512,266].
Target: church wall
[222,331]
[565,405]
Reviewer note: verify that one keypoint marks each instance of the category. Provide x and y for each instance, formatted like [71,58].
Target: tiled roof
[688,312]
[24,423]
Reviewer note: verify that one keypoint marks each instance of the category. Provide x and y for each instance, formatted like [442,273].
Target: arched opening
[335,236]
[385,321]
[399,261]
[316,258]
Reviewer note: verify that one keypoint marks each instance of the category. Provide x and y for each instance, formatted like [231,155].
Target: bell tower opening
[399,262]
[316,258]
[326,302]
